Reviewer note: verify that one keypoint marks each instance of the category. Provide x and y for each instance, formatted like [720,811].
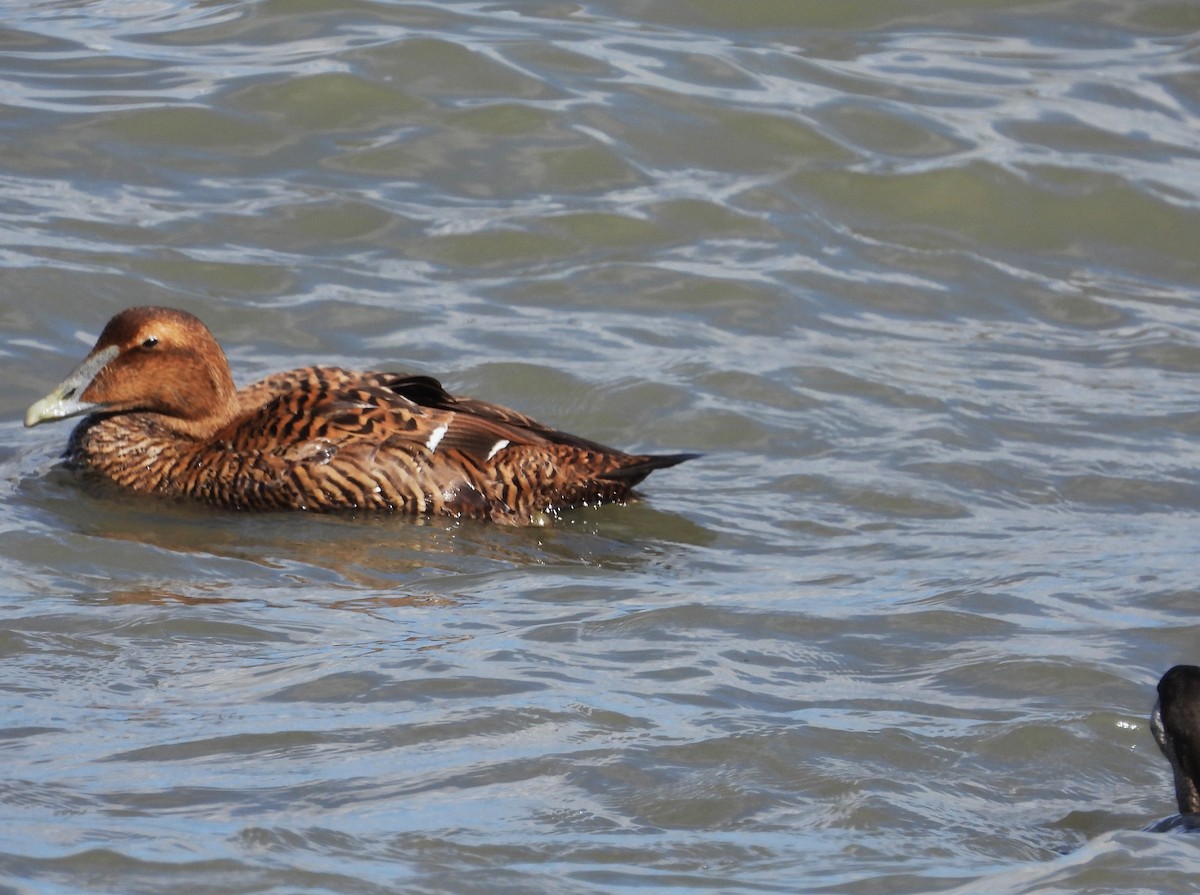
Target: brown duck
[165,417]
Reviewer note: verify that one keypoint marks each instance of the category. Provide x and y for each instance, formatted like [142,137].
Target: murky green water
[920,279]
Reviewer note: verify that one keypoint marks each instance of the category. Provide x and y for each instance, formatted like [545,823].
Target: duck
[1175,723]
[162,415]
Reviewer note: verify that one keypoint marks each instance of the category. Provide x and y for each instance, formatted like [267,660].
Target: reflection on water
[920,282]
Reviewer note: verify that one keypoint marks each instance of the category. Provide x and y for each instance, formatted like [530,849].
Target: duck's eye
[150,342]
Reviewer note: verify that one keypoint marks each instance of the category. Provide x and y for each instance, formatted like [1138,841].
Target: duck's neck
[211,406]
[197,431]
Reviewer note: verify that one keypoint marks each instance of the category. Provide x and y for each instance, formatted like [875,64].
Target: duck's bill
[64,401]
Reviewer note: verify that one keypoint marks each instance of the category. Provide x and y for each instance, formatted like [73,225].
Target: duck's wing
[429,392]
[332,442]
[336,407]
[392,418]
[402,441]
[472,429]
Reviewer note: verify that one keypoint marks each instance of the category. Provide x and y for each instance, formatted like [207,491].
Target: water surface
[919,279]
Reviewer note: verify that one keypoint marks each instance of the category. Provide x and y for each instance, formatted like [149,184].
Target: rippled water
[920,279]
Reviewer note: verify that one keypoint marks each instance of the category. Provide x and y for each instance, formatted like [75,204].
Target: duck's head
[1175,722]
[151,360]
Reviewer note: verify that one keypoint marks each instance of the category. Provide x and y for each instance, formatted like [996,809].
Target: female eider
[164,417]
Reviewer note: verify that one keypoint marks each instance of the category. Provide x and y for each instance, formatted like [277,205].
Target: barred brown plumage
[164,416]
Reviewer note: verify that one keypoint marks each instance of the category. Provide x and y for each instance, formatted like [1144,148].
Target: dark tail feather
[643,466]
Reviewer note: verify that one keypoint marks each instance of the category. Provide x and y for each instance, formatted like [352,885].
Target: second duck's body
[166,418]
[1175,723]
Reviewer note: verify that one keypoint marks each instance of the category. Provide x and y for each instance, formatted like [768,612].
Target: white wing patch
[497,447]
[436,436]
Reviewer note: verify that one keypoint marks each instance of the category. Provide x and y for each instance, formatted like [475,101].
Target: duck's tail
[641,466]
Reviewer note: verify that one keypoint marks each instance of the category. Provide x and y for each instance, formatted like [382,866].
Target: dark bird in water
[1175,722]
[164,417]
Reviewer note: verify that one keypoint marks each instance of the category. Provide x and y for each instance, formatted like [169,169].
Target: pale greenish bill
[65,401]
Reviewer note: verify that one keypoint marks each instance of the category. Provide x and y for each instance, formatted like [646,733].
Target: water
[919,279]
